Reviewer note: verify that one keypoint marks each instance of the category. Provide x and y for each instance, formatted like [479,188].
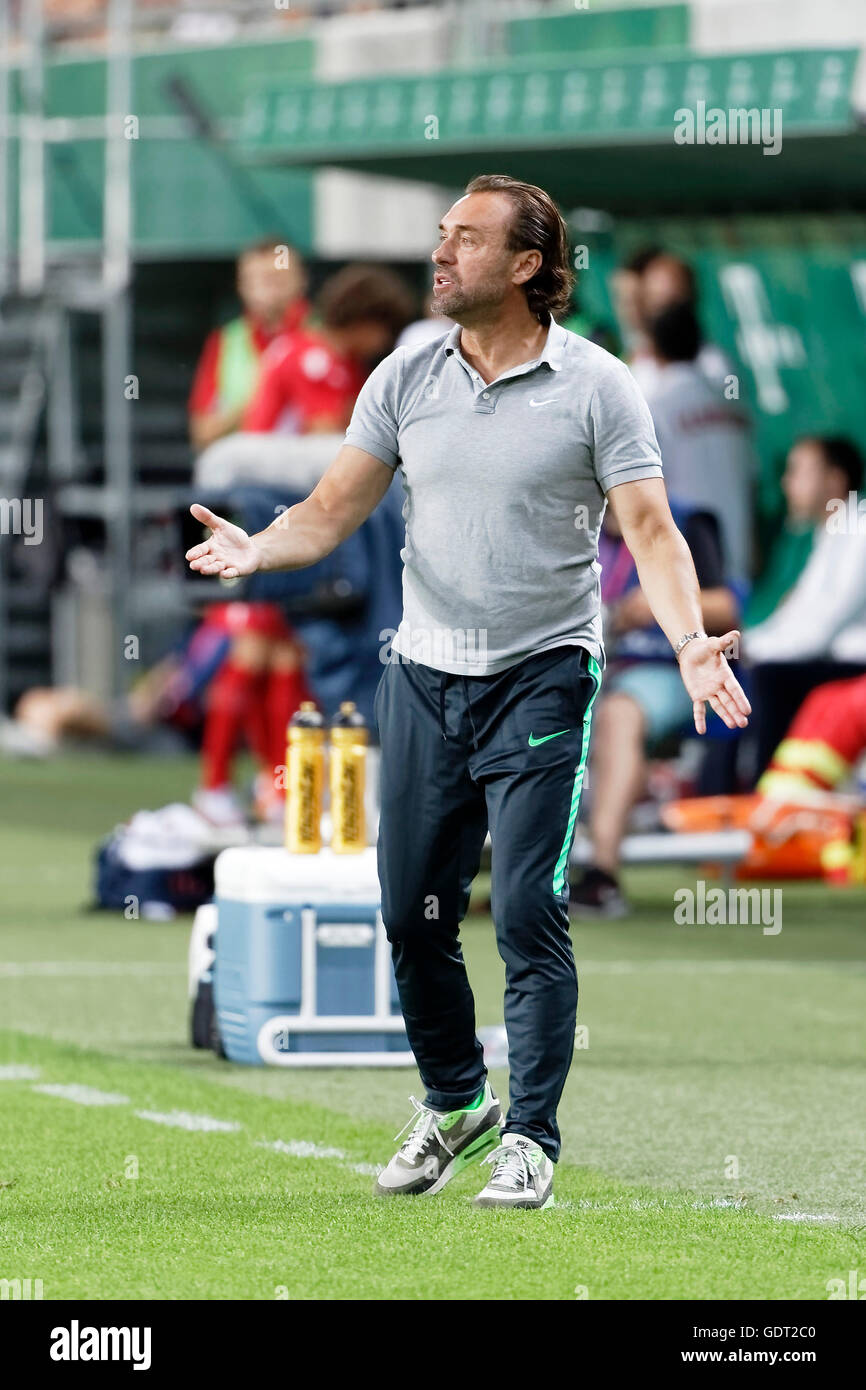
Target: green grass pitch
[712,1128]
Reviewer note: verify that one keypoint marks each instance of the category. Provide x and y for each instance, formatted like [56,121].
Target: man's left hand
[709,679]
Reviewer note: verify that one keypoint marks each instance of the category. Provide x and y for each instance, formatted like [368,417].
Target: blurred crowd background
[216,219]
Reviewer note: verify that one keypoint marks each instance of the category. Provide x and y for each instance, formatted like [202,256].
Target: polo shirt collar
[551,353]
[557,337]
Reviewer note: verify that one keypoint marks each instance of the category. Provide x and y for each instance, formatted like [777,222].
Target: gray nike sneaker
[522,1175]
[439,1146]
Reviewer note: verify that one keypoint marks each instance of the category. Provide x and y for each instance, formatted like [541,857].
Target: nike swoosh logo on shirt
[546,400]
[534,742]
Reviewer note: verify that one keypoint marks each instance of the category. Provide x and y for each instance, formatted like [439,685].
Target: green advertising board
[562,102]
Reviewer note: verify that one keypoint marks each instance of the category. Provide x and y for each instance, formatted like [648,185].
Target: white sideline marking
[304,1148]
[802,1216]
[301,1148]
[82,1095]
[662,1203]
[182,1119]
[650,1204]
[84,969]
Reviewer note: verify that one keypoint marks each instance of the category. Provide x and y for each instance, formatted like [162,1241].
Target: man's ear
[528,265]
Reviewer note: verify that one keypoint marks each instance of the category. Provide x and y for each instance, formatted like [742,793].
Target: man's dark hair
[840,453]
[675,333]
[537,225]
[361,293]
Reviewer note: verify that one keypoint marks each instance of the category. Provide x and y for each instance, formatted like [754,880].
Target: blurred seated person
[823,745]
[705,440]
[643,699]
[817,632]
[804,485]
[271,281]
[804,815]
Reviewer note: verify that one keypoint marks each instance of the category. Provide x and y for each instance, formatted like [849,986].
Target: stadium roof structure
[597,131]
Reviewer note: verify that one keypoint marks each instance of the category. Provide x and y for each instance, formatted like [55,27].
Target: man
[508,433]
[271,280]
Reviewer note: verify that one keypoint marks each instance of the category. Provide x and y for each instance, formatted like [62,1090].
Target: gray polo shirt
[504,494]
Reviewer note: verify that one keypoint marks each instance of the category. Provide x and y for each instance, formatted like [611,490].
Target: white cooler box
[303,974]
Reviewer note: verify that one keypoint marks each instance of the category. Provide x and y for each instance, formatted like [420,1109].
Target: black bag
[120,888]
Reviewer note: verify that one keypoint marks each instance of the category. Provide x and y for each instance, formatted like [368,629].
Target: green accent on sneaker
[482,1144]
[453,1116]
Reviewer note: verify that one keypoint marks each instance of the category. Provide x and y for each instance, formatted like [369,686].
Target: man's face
[474,269]
[266,287]
[807,482]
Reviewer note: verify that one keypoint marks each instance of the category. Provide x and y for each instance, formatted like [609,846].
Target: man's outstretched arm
[667,577]
[343,498]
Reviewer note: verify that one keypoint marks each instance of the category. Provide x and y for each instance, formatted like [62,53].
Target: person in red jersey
[310,379]
[245,695]
[271,282]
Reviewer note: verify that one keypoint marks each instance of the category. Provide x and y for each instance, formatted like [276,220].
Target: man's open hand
[708,678]
[228,552]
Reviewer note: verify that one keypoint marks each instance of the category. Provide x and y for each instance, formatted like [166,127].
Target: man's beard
[456,303]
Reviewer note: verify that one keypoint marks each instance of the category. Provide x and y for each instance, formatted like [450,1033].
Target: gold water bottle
[348,773]
[306,764]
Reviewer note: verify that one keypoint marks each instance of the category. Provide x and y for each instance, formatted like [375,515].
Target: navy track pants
[461,754]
